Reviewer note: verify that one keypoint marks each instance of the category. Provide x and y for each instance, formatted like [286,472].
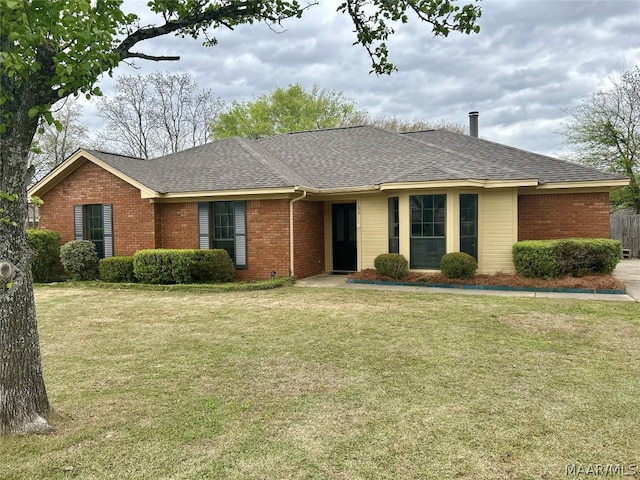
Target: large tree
[605,130]
[287,110]
[51,49]
[157,114]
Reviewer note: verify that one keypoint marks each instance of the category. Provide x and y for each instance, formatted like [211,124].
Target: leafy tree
[157,114]
[54,143]
[605,129]
[51,49]
[287,110]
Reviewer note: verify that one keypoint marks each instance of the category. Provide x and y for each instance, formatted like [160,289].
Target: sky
[532,61]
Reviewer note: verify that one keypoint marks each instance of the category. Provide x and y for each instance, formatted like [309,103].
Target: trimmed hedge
[458,265]
[80,259]
[46,244]
[391,265]
[165,266]
[117,270]
[573,257]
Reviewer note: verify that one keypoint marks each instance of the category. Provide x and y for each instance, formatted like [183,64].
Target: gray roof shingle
[347,157]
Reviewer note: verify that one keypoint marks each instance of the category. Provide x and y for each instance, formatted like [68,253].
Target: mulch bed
[590,282]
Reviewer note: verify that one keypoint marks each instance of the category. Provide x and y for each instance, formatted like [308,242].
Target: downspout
[294,200]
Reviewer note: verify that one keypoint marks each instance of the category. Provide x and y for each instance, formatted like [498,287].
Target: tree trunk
[23,397]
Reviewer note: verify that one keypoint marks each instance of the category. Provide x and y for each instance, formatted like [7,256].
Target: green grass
[296,383]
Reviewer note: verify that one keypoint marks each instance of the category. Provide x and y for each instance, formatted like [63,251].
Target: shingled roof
[343,158]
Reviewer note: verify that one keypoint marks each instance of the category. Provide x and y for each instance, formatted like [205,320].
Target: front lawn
[296,383]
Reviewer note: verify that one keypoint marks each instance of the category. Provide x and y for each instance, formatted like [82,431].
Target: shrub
[212,266]
[46,245]
[117,270]
[165,266]
[589,256]
[391,265]
[537,258]
[574,257]
[458,265]
[80,259]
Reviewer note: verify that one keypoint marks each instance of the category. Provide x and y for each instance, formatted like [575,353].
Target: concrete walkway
[627,270]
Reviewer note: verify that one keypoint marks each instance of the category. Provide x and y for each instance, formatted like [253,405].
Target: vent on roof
[473,124]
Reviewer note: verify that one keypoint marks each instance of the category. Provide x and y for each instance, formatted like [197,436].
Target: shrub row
[574,257]
[164,266]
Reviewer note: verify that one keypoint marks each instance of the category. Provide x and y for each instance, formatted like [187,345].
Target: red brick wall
[133,217]
[178,226]
[267,239]
[308,235]
[551,216]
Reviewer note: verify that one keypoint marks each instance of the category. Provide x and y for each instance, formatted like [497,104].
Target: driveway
[629,272]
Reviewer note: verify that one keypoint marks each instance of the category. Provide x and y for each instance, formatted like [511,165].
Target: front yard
[299,383]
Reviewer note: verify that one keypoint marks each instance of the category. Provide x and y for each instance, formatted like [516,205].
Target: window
[95,223]
[394,225]
[469,224]
[428,241]
[223,225]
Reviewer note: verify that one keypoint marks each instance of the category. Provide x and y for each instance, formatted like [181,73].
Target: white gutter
[294,200]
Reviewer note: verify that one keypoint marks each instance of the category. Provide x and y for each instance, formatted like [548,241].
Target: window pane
[223,227]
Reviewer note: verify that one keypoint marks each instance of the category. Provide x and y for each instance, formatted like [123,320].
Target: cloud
[531,61]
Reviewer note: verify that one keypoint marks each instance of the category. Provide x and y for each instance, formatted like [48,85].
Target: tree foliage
[395,124]
[157,114]
[51,49]
[605,129]
[287,110]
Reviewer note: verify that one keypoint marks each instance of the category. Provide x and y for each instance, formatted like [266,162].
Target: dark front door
[344,237]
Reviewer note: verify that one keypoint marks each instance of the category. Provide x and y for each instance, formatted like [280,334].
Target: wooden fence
[626,228]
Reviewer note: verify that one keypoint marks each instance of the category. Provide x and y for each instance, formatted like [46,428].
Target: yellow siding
[498,230]
[373,229]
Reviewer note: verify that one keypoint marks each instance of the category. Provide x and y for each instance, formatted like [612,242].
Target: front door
[343,217]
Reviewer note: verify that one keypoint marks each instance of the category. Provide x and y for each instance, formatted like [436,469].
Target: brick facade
[139,224]
[133,217]
[552,216]
[308,238]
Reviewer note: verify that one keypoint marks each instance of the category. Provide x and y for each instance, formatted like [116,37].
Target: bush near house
[46,245]
[80,259]
[165,266]
[117,270]
[458,265]
[391,265]
[573,257]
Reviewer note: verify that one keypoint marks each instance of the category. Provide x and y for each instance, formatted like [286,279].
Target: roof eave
[527,182]
[610,184]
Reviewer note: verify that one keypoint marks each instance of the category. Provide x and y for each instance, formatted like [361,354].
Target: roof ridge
[274,164]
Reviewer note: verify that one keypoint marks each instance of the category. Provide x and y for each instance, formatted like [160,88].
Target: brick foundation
[552,216]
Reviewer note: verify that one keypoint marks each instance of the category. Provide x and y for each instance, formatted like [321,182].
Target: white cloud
[531,60]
